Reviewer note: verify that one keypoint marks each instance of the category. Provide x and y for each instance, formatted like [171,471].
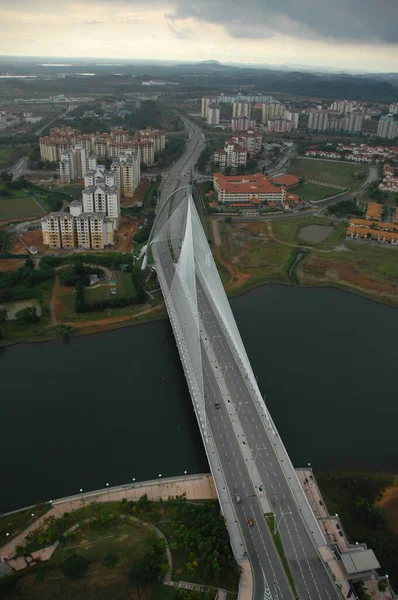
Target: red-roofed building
[232,155]
[255,189]
[288,181]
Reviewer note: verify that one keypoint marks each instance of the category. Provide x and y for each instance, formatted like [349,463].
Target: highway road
[244,447]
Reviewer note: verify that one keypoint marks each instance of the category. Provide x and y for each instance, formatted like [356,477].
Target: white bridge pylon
[184,263]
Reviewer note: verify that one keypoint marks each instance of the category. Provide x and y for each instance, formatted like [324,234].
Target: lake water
[315,233]
[113,406]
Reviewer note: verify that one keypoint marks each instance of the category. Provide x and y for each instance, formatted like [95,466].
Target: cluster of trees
[375,194]
[345,208]
[200,530]
[21,284]
[353,496]
[150,568]
[143,234]
[175,147]
[77,275]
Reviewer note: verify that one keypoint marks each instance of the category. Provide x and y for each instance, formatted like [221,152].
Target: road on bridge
[245,444]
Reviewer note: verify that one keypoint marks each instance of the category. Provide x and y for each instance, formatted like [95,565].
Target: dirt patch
[138,195]
[11,264]
[125,233]
[389,502]
[30,238]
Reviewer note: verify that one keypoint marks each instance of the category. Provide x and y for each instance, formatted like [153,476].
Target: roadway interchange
[240,440]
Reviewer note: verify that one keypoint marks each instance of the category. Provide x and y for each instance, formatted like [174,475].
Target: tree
[29,263]
[75,566]
[3,315]
[6,176]
[27,315]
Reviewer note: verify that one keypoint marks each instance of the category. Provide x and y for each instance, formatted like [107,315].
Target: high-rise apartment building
[213,115]
[231,155]
[387,127]
[206,102]
[241,109]
[127,173]
[251,140]
[293,117]
[272,110]
[279,125]
[77,229]
[67,167]
[318,120]
[393,108]
[242,124]
[100,198]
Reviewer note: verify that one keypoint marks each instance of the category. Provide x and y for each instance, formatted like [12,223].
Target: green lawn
[13,524]
[124,289]
[7,155]
[128,540]
[312,191]
[17,208]
[328,171]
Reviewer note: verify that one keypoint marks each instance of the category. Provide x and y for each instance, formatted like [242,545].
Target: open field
[124,289]
[311,191]
[250,254]
[19,207]
[328,171]
[7,155]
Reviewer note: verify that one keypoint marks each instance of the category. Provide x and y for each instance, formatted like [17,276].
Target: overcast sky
[345,34]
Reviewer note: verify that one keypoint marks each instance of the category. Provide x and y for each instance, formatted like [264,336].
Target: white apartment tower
[206,103]
[213,115]
[101,198]
[241,109]
[67,167]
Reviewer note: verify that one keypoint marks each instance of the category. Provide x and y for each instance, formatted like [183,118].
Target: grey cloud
[181,34]
[306,19]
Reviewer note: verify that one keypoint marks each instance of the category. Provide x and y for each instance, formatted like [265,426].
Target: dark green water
[113,406]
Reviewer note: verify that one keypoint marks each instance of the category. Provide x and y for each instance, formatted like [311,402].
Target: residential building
[231,155]
[379,231]
[293,117]
[146,143]
[279,125]
[242,124]
[127,173]
[67,167]
[393,108]
[206,102]
[374,211]
[272,110]
[253,189]
[387,127]
[156,136]
[318,120]
[250,139]
[101,198]
[78,229]
[241,109]
[213,115]
[100,175]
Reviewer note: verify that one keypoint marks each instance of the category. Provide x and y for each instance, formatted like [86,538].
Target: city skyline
[354,36]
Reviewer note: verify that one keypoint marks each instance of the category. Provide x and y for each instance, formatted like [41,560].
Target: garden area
[113,550]
[338,173]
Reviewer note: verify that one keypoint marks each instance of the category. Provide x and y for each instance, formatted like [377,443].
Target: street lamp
[185,472]
[160,474]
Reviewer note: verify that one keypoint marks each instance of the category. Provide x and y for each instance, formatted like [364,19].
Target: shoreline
[231,294]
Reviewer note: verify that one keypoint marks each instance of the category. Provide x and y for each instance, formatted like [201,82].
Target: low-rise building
[249,189]
[374,211]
